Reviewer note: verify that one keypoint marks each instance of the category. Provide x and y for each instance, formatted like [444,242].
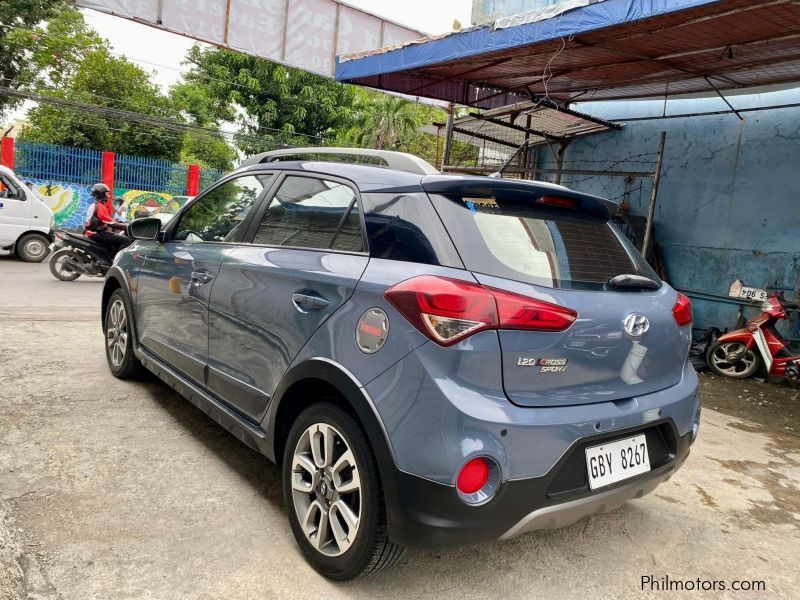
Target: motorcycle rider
[100,223]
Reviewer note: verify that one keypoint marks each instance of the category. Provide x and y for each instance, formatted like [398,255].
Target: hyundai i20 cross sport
[432,360]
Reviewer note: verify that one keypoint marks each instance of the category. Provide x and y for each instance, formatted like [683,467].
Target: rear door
[304,257]
[564,251]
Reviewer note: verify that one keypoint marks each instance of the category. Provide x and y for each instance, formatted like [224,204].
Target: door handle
[307,302]
[201,277]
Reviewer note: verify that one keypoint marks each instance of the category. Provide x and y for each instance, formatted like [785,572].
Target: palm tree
[385,122]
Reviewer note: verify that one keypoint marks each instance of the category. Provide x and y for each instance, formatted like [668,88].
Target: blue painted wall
[729,199]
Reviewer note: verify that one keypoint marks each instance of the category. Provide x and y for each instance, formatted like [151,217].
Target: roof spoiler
[394,160]
[523,189]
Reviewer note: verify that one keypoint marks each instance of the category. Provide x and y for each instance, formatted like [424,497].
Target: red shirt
[102,211]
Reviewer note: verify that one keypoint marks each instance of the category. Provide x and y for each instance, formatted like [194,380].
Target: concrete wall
[729,200]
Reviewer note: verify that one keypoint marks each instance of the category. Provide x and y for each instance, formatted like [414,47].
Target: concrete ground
[112,489]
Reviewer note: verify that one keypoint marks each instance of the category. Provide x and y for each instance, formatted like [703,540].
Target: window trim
[20,196]
[258,215]
[173,225]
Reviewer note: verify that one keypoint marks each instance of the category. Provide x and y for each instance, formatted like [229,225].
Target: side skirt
[254,437]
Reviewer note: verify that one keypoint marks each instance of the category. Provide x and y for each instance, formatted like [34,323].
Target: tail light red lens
[682,311]
[557,201]
[448,310]
[473,476]
[520,312]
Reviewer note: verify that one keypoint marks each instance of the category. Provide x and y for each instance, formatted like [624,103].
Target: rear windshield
[551,247]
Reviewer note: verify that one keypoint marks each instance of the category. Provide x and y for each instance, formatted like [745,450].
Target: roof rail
[401,161]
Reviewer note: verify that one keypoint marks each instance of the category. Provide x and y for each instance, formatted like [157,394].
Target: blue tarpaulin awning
[611,49]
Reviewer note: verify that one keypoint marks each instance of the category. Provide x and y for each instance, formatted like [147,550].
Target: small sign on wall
[739,290]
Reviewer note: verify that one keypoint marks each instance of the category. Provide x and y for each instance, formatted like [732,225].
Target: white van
[26,222]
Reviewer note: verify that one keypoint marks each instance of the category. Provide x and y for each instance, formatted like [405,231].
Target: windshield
[552,247]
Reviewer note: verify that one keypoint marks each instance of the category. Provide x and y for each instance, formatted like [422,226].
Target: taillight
[520,312]
[448,310]
[557,201]
[682,311]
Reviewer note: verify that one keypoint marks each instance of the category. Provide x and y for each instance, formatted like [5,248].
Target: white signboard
[747,293]
[307,34]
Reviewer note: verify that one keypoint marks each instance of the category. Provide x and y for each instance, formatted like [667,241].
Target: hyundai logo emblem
[636,325]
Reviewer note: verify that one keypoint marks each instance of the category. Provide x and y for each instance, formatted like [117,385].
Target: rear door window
[555,247]
[308,212]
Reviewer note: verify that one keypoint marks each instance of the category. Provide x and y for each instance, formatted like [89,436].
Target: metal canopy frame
[535,123]
[616,49]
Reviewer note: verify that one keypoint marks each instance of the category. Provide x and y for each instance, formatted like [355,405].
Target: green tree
[274,105]
[385,122]
[207,150]
[15,46]
[108,81]
[199,108]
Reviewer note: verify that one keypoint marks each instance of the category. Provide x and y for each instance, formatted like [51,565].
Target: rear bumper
[426,514]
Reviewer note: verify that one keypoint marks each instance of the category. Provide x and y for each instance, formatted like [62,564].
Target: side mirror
[144,229]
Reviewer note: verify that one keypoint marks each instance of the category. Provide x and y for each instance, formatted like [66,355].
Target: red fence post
[193,180]
[107,173]
[7,152]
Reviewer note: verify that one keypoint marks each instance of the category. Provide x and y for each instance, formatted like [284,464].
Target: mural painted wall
[69,202]
[140,203]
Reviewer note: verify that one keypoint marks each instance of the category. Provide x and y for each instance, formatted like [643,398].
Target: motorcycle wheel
[720,359]
[59,270]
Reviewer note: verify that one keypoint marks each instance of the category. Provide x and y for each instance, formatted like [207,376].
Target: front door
[304,260]
[15,211]
[178,275]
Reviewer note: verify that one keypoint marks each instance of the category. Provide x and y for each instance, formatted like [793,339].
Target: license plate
[615,461]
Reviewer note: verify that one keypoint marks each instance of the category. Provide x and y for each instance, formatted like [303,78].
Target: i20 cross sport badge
[636,325]
[546,365]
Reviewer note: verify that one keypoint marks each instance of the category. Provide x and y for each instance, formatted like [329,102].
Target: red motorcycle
[739,354]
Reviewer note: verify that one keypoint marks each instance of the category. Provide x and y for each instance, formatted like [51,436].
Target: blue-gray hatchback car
[431,359]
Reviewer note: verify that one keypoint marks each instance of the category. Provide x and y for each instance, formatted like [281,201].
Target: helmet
[99,190]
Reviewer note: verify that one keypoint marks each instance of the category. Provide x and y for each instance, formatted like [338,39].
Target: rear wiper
[627,280]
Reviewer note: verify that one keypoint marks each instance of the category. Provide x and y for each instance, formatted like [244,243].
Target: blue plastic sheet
[486,40]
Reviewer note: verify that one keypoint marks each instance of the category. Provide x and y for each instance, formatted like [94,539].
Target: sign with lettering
[307,34]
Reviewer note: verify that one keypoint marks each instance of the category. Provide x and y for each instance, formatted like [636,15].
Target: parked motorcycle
[74,255]
[739,354]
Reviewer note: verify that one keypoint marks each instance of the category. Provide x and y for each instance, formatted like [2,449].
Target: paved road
[113,489]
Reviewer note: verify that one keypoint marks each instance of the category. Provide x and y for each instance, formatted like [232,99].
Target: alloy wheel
[326,489]
[733,359]
[117,332]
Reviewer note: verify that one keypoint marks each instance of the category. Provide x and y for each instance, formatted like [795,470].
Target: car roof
[371,178]
[368,178]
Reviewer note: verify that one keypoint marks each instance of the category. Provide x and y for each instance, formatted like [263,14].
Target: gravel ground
[112,489]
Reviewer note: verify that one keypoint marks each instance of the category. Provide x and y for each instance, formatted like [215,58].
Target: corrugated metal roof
[538,122]
[616,49]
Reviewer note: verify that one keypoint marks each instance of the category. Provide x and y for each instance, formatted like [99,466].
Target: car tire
[716,358]
[320,500]
[117,330]
[33,248]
